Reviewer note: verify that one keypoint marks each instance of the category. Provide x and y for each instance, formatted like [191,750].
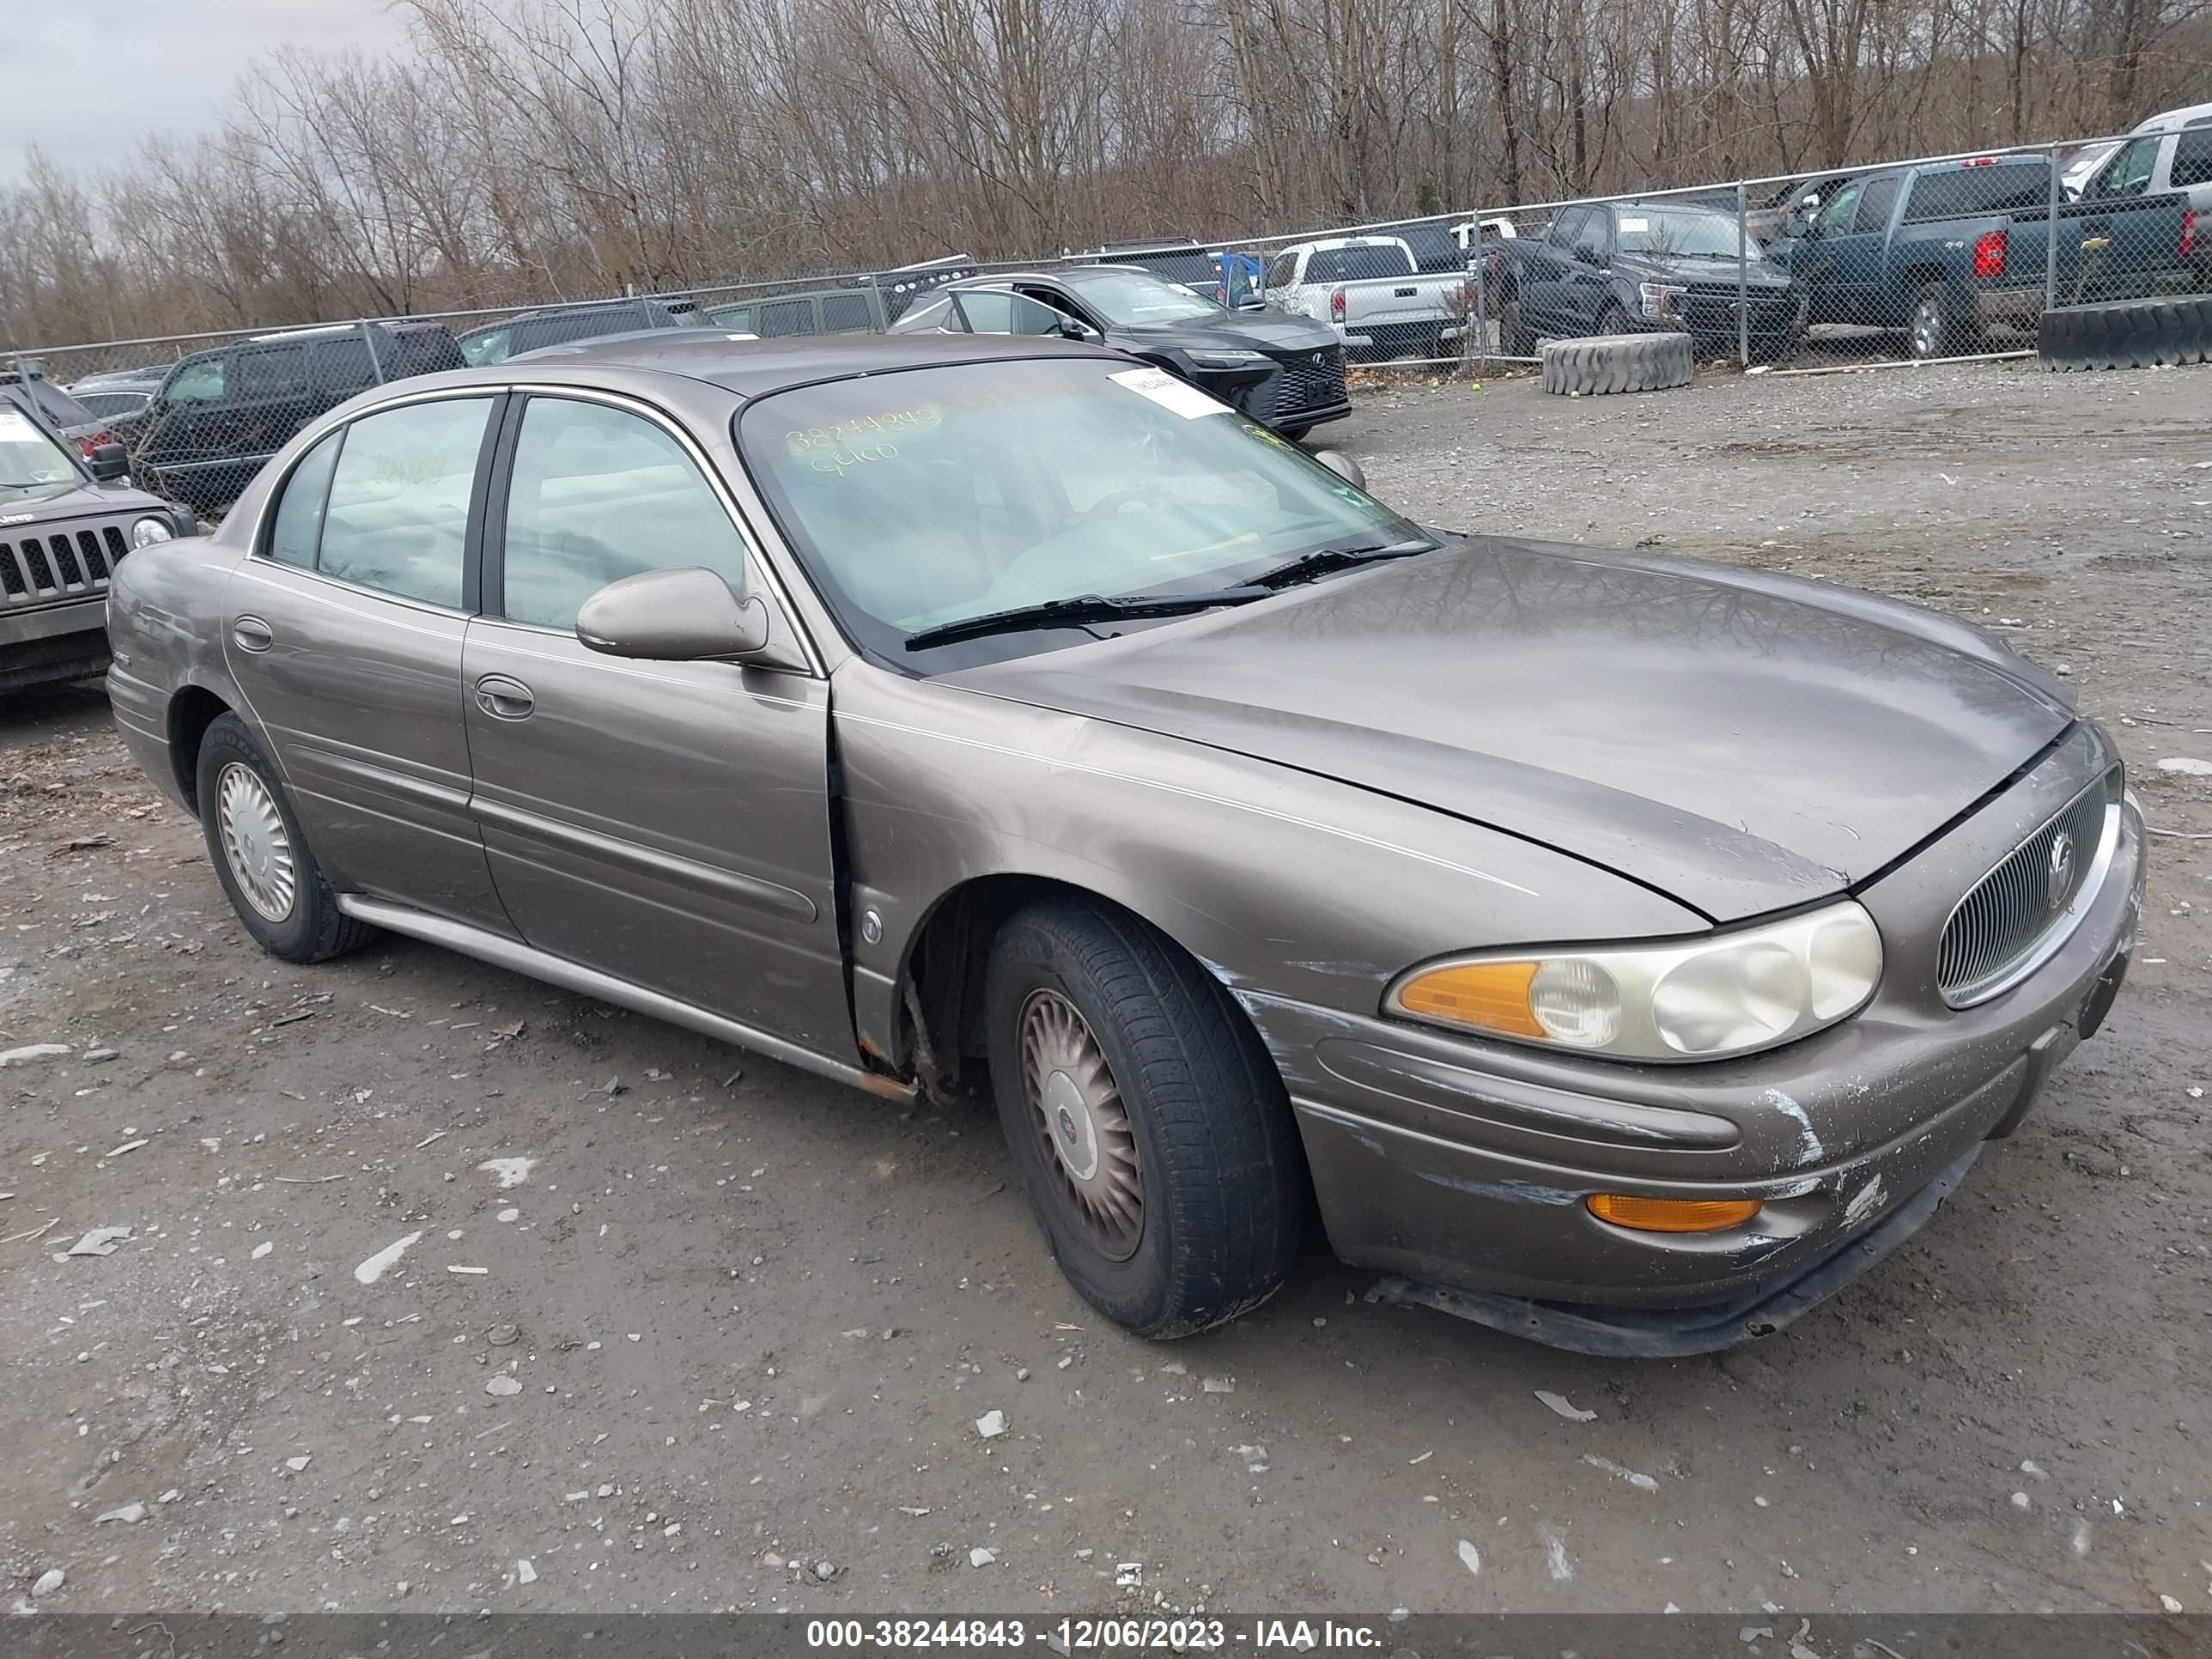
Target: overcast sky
[87,79]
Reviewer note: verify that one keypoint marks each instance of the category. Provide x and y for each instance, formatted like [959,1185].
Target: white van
[2169,152]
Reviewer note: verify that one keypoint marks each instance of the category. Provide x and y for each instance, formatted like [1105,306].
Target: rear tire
[1933,332]
[1152,1132]
[260,856]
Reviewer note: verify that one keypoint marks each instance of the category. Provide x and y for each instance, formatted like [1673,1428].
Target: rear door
[344,631]
[664,823]
[1853,254]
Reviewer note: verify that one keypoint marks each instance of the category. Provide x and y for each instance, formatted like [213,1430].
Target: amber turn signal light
[1672,1215]
[1491,996]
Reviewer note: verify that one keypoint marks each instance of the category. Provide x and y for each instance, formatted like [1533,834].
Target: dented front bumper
[1465,1164]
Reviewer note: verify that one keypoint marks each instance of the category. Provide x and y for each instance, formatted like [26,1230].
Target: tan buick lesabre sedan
[1622,951]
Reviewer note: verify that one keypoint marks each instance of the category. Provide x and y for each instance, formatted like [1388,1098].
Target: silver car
[1624,951]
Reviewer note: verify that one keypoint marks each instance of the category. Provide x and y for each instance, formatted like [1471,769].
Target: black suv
[221,414]
[494,342]
[65,523]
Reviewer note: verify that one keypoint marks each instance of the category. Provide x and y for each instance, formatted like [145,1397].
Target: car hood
[1254,331]
[1682,268]
[58,501]
[1740,741]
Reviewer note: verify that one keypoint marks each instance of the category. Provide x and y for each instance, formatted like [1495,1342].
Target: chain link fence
[1942,258]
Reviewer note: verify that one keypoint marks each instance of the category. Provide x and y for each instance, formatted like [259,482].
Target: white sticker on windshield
[1635,224]
[14,425]
[1164,389]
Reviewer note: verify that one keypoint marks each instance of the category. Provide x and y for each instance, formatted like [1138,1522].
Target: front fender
[1281,882]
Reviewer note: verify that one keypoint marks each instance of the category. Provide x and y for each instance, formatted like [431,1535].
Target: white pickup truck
[1370,289]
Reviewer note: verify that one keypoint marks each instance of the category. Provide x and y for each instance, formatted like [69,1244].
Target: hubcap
[254,843]
[1927,329]
[1077,1110]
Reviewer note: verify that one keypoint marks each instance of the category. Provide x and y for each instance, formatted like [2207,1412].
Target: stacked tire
[1617,362]
[2127,334]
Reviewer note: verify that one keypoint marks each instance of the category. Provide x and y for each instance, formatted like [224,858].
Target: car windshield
[1137,299]
[29,456]
[930,496]
[1678,232]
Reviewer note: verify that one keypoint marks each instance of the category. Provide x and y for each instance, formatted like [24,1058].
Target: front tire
[260,856]
[1151,1130]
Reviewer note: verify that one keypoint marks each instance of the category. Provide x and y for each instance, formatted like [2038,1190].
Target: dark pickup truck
[1948,250]
[1637,267]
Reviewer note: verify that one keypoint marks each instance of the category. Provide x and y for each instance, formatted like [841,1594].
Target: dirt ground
[731,1329]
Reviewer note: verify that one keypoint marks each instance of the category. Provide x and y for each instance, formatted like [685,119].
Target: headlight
[1658,298]
[1727,993]
[147,531]
[1228,359]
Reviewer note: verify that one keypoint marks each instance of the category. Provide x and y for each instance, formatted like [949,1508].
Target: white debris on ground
[374,1269]
[1559,1403]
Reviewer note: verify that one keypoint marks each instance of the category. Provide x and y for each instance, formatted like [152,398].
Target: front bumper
[1464,1164]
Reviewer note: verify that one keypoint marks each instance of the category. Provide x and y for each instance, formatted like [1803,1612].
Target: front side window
[599,493]
[2129,174]
[999,311]
[399,513]
[295,534]
[1841,210]
[1282,272]
[1590,240]
[197,383]
[925,496]
[493,345]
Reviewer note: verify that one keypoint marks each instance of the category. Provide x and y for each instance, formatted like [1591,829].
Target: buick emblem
[2059,882]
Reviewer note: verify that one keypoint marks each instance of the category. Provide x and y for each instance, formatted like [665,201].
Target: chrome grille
[65,564]
[2016,916]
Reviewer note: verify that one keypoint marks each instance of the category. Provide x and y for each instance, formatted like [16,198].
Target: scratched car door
[663,822]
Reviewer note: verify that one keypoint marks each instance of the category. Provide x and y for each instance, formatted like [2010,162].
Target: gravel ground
[720,1336]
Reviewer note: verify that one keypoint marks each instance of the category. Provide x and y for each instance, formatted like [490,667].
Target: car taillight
[1990,254]
[2188,231]
[86,446]
[1336,305]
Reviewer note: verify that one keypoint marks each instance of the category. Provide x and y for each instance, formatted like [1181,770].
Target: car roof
[2166,120]
[754,368]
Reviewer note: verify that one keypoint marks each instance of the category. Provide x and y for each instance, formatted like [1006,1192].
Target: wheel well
[941,1035]
[191,711]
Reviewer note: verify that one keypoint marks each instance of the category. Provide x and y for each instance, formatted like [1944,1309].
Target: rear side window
[398,510]
[1875,205]
[1357,265]
[2192,159]
[846,314]
[341,365]
[271,372]
[297,530]
[781,318]
[1966,193]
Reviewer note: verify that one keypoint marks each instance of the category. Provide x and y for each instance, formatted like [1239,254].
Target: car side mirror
[1343,466]
[107,463]
[685,615]
[1074,328]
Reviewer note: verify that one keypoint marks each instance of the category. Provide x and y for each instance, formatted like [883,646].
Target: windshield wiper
[1340,556]
[1084,608]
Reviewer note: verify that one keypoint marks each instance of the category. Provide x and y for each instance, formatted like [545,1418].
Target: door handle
[251,633]
[504,699]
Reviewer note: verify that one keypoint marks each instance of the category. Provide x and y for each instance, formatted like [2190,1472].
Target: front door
[345,634]
[666,822]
